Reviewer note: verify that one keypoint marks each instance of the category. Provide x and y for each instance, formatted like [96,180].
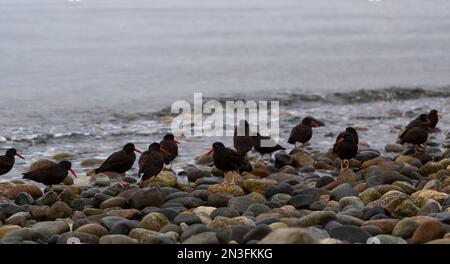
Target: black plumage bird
[242,141]
[302,133]
[226,160]
[151,161]
[350,130]
[265,145]
[423,118]
[7,161]
[417,136]
[52,174]
[120,161]
[434,117]
[346,148]
[170,144]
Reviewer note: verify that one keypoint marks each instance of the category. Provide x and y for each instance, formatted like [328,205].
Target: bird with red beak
[120,162]
[8,160]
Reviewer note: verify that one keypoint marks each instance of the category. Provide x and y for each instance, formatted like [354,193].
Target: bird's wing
[113,161]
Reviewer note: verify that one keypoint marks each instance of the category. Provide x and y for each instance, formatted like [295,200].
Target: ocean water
[88,76]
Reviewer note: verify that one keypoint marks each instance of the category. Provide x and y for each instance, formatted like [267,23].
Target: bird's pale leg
[50,190]
[121,182]
[342,166]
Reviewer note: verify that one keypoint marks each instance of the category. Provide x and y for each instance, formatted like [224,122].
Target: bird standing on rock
[227,160]
[268,147]
[120,162]
[242,143]
[53,173]
[423,118]
[302,133]
[346,148]
[7,161]
[151,161]
[350,130]
[417,135]
[170,144]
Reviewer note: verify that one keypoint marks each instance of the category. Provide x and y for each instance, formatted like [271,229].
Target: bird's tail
[400,136]
[25,176]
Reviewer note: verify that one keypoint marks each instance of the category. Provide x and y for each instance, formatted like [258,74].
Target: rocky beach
[385,197]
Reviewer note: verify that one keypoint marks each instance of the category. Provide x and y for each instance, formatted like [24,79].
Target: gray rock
[350,233]
[194,229]
[188,202]
[234,233]
[19,219]
[51,227]
[110,221]
[289,236]
[24,198]
[317,233]
[11,209]
[117,239]
[343,190]
[386,239]
[146,197]
[256,209]
[173,228]
[187,218]
[225,212]
[301,201]
[219,199]
[257,233]
[203,238]
[279,188]
[123,227]
[316,218]
[240,203]
[83,238]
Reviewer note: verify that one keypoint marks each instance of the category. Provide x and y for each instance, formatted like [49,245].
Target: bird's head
[216,146]
[68,166]
[129,148]
[12,152]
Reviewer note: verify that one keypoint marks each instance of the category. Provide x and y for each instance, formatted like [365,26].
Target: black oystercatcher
[434,117]
[346,148]
[267,147]
[170,144]
[120,162]
[302,132]
[151,161]
[243,143]
[52,174]
[423,118]
[417,135]
[7,161]
[350,130]
[226,160]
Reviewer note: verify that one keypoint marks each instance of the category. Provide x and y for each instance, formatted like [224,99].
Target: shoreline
[304,199]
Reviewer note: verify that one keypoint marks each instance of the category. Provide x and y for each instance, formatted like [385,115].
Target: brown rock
[301,159]
[18,188]
[391,200]
[93,229]
[385,225]
[231,189]
[114,202]
[427,231]
[258,185]
[421,197]
[374,161]
[126,213]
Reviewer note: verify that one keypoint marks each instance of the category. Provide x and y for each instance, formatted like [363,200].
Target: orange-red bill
[340,140]
[314,123]
[138,151]
[439,115]
[73,173]
[178,142]
[20,156]
[209,152]
[164,150]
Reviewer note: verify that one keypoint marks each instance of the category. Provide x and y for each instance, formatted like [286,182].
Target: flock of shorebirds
[160,155]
